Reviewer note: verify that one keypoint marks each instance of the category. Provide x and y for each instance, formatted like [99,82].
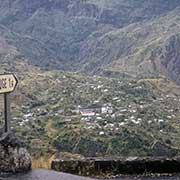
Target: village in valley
[68,112]
[107,117]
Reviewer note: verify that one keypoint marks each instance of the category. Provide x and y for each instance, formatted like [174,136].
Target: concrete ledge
[100,166]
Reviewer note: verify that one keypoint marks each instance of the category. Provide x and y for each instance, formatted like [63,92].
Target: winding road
[40,174]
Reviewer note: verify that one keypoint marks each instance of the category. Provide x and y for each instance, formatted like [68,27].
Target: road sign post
[7,115]
[8,84]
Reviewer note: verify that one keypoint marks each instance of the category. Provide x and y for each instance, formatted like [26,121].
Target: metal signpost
[8,83]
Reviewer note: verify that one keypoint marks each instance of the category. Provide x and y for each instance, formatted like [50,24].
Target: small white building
[87,113]
[101,133]
[123,110]
[28,115]
[99,118]
[107,109]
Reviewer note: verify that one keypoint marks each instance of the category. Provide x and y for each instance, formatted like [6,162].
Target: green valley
[58,113]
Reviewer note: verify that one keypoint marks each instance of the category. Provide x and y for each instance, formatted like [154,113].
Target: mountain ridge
[96,37]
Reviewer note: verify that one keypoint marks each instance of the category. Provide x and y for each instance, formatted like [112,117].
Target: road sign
[8,83]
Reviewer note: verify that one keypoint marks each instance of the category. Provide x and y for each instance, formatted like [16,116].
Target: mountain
[143,49]
[107,37]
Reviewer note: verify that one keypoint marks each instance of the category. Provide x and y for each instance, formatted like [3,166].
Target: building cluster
[93,111]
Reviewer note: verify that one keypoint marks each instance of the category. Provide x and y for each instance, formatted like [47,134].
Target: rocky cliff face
[14,157]
[121,37]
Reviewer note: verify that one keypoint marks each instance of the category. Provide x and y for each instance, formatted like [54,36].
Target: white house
[107,109]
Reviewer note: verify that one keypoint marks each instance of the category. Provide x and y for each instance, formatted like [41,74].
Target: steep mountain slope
[124,37]
[144,49]
[14,46]
[113,12]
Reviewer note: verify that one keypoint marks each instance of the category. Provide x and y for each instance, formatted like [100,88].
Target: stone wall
[97,167]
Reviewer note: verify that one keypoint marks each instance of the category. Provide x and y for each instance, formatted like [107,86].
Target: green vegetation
[138,119]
